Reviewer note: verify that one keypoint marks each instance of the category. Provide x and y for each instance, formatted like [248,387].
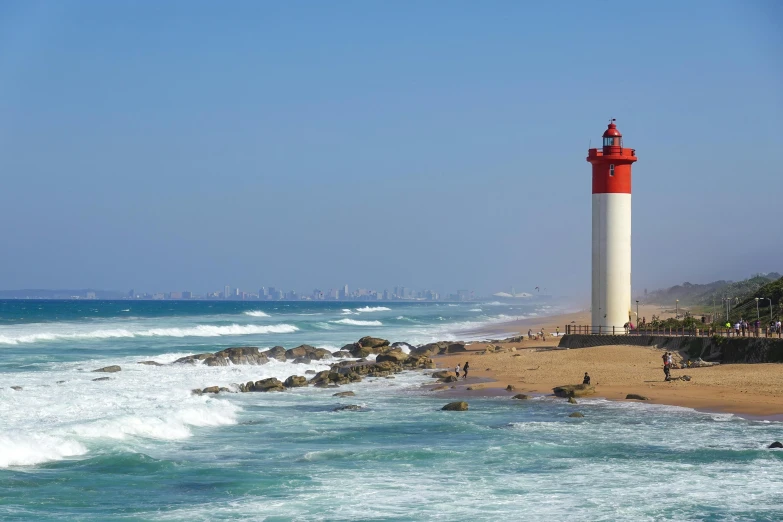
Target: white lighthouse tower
[611,303]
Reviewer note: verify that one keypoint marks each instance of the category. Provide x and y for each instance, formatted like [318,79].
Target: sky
[192,144]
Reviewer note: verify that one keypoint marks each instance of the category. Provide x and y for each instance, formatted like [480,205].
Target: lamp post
[677,308]
[770,308]
[637,311]
[758,317]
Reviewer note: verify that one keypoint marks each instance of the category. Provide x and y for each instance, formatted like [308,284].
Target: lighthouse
[611,298]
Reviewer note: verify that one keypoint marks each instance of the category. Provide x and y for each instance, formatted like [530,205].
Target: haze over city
[301,145]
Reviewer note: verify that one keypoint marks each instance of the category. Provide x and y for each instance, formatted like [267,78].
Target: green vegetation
[746,308]
[704,296]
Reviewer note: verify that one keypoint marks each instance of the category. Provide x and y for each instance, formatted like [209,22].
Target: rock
[302,360]
[150,363]
[775,444]
[303,350]
[636,397]
[60,382]
[574,390]
[571,400]
[108,369]
[439,388]
[576,414]
[295,381]
[310,372]
[344,394]
[521,396]
[321,353]
[450,378]
[241,355]
[392,356]
[390,377]
[686,377]
[456,406]
[401,346]
[510,387]
[441,374]
[430,349]
[278,353]
[19,388]
[102,379]
[226,390]
[341,354]
[196,391]
[374,343]
[267,385]
[350,407]
[193,359]
[454,348]
[211,389]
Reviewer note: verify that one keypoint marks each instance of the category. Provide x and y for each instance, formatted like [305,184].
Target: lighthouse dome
[612,131]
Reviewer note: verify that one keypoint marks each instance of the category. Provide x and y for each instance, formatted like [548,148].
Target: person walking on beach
[530,333]
[666,367]
[465,371]
[456,370]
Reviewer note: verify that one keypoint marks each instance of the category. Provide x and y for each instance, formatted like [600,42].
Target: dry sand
[534,367]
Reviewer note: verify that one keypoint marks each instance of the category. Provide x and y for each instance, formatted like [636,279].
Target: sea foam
[355,322]
[256,313]
[373,309]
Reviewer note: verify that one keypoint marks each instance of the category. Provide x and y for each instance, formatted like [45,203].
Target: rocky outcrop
[211,389]
[571,400]
[402,345]
[393,356]
[19,388]
[150,363]
[235,355]
[109,369]
[456,406]
[441,347]
[264,385]
[301,360]
[521,396]
[775,445]
[295,381]
[350,407]
[636,397]
[442,374]
[450,378]
[344,394]
[574,390]
[277,352]
[341,354]
[576,415]
[308,353]
[102,379]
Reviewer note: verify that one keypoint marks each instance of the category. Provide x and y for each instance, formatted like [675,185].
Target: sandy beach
[532,366]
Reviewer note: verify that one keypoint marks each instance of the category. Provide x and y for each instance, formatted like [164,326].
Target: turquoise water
[141,447]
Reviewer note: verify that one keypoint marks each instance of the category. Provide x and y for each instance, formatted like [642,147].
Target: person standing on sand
[543,335]
[456,370]
[465,371]
[530,333]
[586,380]
[666,368]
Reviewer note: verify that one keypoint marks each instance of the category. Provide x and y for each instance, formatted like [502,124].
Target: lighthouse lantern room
[611,295]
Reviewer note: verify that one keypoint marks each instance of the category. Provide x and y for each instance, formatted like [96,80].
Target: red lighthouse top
[611,163]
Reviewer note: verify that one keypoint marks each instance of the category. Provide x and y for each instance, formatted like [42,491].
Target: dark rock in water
[775,444]
[521,396]
[456,406]
[301,360]
[19,388]
[310,372]
[226,390]
[108,369]
[193,359]
[102,379]
[576,414]
[211,389]
[344,394]
[60,382]
[636,397]
[511,387]
[402,346]
[278,353]
[299,351]
[196,391]
[574,390]
[150,363]
[390,377]
[450,378]
[350,407]
[571,400]
[265,385]
[295,381]
[392,356]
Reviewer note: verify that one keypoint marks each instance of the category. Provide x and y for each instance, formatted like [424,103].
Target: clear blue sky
[188,145]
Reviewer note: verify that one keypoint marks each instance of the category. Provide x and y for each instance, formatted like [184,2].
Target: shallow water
[141,447]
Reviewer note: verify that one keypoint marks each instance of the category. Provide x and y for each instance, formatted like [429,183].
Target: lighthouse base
[611,297]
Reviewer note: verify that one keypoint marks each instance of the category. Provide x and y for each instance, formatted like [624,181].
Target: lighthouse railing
[658,331]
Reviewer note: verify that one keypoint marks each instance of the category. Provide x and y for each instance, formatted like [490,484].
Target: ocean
[140,446]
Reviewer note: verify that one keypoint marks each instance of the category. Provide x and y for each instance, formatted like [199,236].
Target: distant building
[90,295]
[187,295]
[226,292]
[175,295]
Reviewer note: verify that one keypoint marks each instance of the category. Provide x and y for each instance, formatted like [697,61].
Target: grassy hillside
[747,306]
[703,294]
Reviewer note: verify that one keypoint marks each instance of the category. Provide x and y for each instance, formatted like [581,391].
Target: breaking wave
[256,313]
[354,322]
[201,330]
[373,309]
